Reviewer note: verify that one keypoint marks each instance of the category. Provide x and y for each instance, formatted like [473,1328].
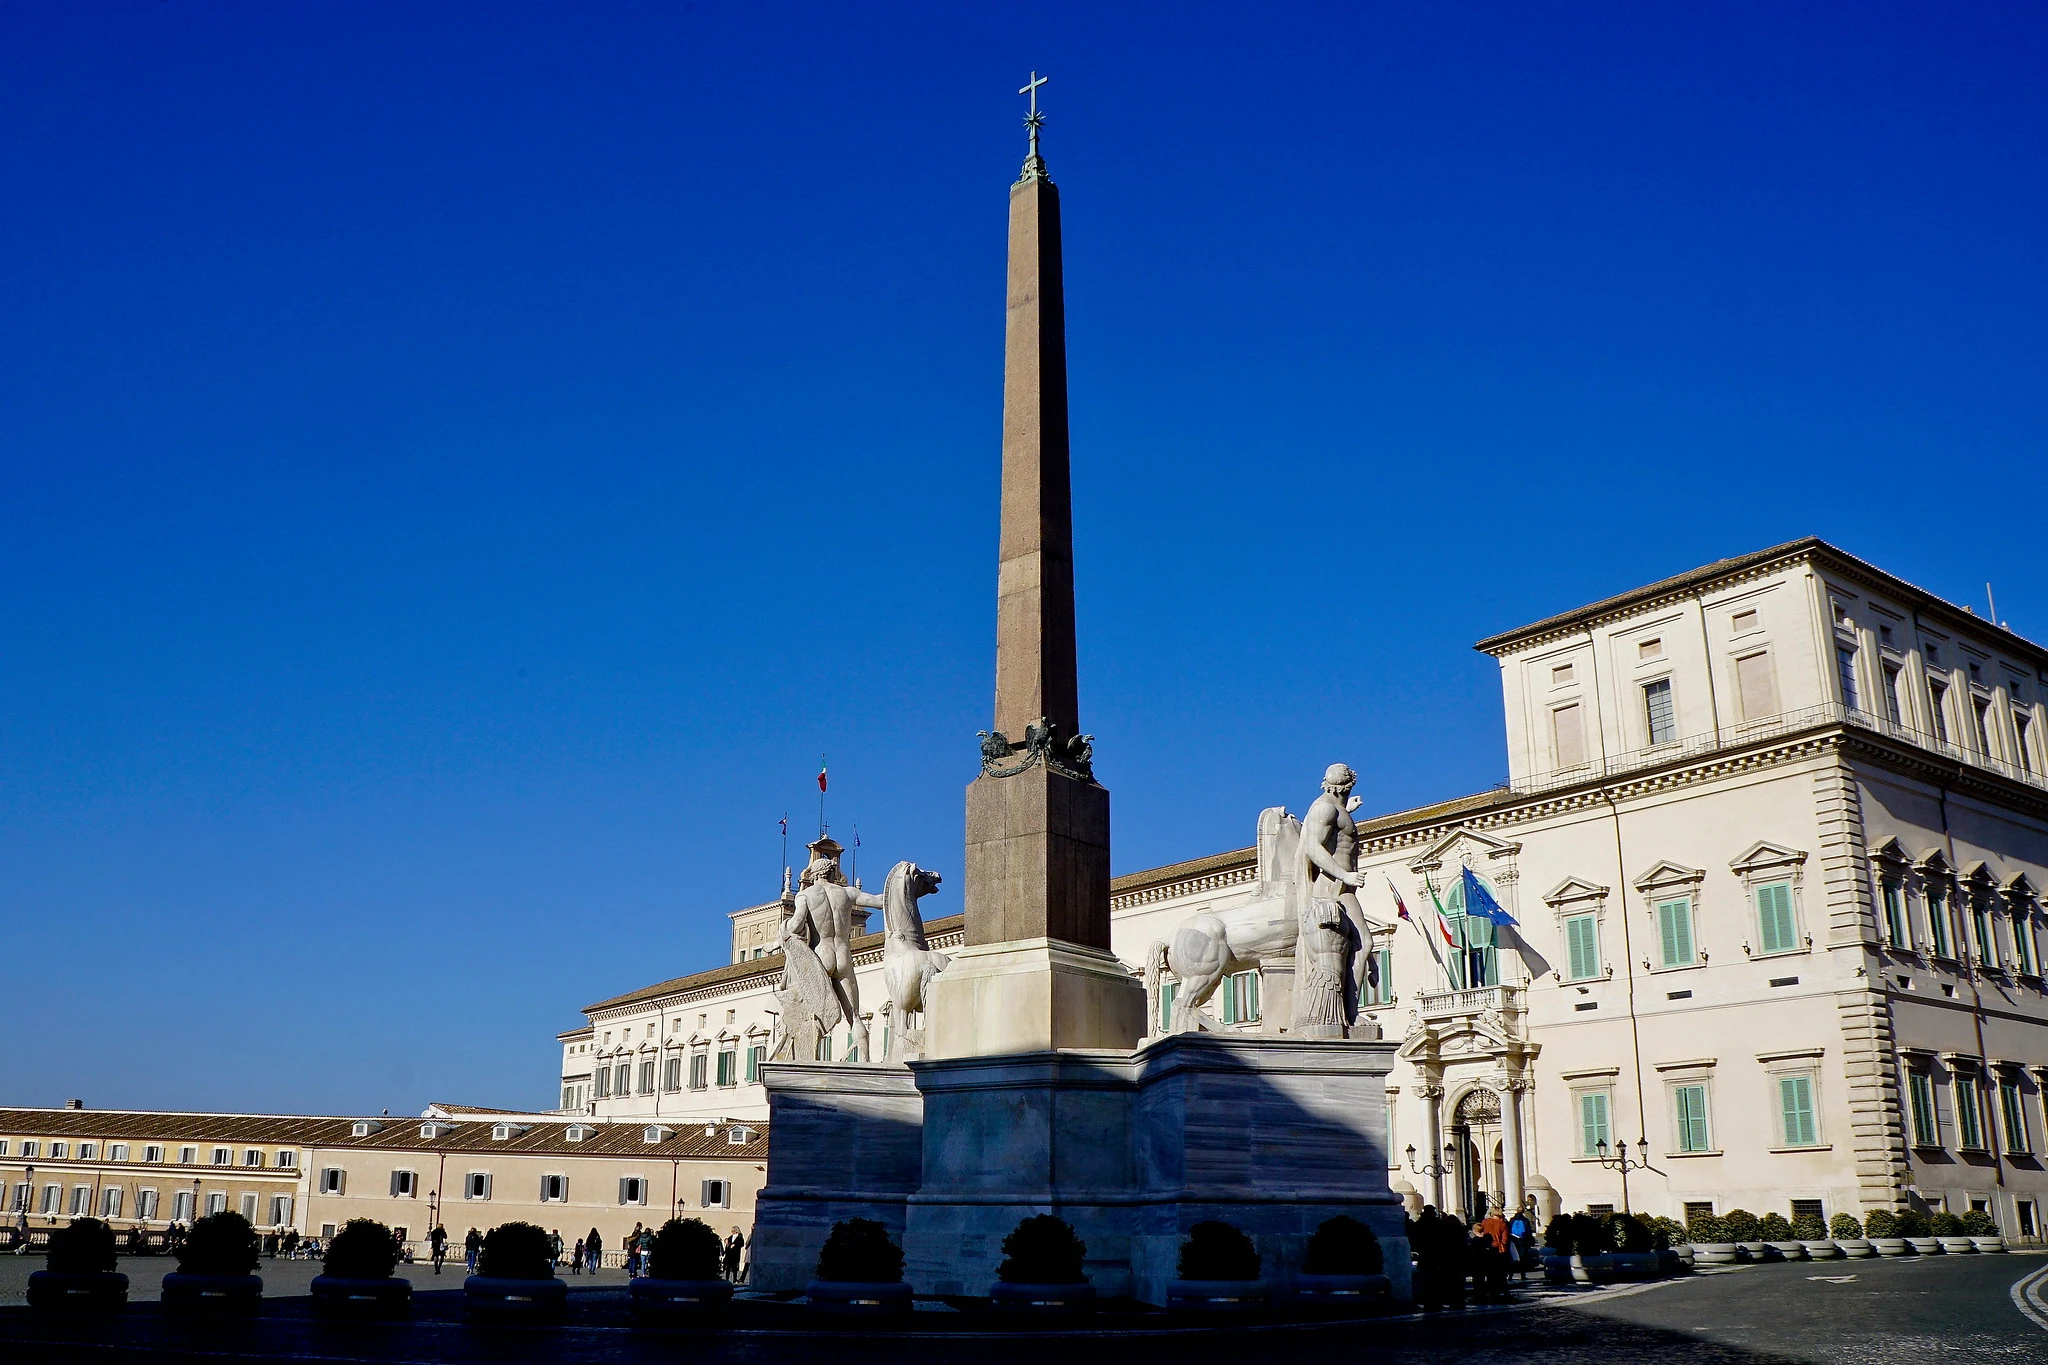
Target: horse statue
[908,962]
[1210,946]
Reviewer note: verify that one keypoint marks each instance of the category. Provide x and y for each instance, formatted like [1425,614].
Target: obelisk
[1036,972]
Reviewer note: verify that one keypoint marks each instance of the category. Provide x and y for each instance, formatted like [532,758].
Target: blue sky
[463,464]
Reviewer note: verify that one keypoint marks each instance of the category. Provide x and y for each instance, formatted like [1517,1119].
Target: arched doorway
[1475,1126]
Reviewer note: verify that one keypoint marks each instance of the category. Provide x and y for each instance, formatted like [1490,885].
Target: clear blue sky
[463,463]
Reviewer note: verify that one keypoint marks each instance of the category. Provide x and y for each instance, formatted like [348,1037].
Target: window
[1920,1099]
[332,1178]
[1657,711]
[117,1151]
[280,1210]
[81,1201]
[1167,990]
[404,1184]
[476,1185]
[554,1189]
[569,1097]
[1845,674]
[87,1151]
[1980,709]
[1592,1122]
[632,1189]
[1893,709]
[1777,930]
[1969,1119]
[223,1156]
[715,1194]
[672,1074]
[2023,952]
[249,1206]
[152,1153]
[1755,686]
[1582,946]
[1568,741]
[1937,922]
[3,1146]
[252,1157]
[1240,996]
[1937,709]
[604,1082]
[1980,925]
[756,1055]
[1378,986]
[1560,674]
[2020,752]
[1689,1104]
[110,1202]
[1896,932]
[647,1077]
[181,1206]
[217,1202]
[1797,1122]
[1674,932]
[1698,1208]
[699,1064]
[287,1161]
[28,1147]
[1649,649]
[622,1079]
[59,1150]
[728,1066]
[1810,1208]
[145,1204]
[2013,1118]
[1742,622]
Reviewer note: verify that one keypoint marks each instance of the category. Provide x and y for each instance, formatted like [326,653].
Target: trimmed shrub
[1042,1250]
[363,1250]
[859,1251]
[688,1249]
[1878,1223]
[1741,1225]
[1978,1223]
[1557,1238]
[1592,1234]
[1945,1225]
[1808,1227]
[1629,1232]
[1669,1232]
[516,1251]
[1343,1246]
[219,1244]
[1845,1227]
[83,1246]
[1914,1223]
[1773,1227]
[1218,1251]
[1702,1228]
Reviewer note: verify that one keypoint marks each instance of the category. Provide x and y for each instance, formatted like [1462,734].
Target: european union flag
[1479,901]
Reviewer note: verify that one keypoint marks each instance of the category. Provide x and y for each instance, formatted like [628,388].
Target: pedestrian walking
[734,1245]
[472,1243]
[437,1245]
[647,1252]
[576,1258]
[593,1247]
[554,1246]
[1522,1238]
[632,1250]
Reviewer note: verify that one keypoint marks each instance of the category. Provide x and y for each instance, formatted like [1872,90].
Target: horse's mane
[897,903]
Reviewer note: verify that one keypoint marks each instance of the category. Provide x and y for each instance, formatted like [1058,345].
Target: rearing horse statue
[908,962]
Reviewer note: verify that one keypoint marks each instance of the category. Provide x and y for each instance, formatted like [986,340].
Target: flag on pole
[1479,901]
[1400,906]
[821,772]
[1401,909]
[1442,920]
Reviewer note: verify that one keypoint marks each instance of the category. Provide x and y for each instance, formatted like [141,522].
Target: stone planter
[1631,1265]
[1989,1244]
[1558,1269]
[228,1295]
[1821,1249]
[496,1296]
[347,1296]
[1754,1251]
[1715,1253]
[82,1291]
[853,1299]
[654,1300]
[1925,1246]
[1338,1291]
[1855,1247]
[1891,1246]
[1673,1261]
[1958,1246]
[1785,1251]
[1043,1300]
[1216,1296]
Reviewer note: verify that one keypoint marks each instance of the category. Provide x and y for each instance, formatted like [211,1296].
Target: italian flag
[821,772]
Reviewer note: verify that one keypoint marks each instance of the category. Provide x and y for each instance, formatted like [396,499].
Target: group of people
[1448,1252]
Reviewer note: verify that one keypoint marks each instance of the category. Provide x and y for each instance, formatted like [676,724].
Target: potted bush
[688,1279]
[1342,1267]
[860,1272]
[1674,1244]
[1948,1230]
[356,1278]
[1711,1242]
[1219,1272]
[1778,1240]
[1847,1233]
[1634,1256]
[1881,1226]
[1742,1228]
[1982,1230]
[1918,1230]
[80,1276]
[515,1276]
[216,1268]
[1041,1269]
[1812,1234]
[1560,1246]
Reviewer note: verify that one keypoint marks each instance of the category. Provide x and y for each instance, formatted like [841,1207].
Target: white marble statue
[908,962]
[1334,941]
[1210,946]
[818,983]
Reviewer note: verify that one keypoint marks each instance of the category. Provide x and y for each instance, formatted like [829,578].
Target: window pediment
[1667,875]
[1934,862]
[1764,855]
[1891,851]
[1977,874]
[2018,886]
[1482,845]
[1573,889]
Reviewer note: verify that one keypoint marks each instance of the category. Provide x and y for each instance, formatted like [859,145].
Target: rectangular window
[1674,931]
[1969,1120]
[1980,925]
[1240,998]
[81,1201]
[223,1156]
[1980,708]
[287,1161]
[404,1184]
[1690,1104]
[2023,950]
[728,1067]
[1378,988]
[698,1066]
[647,1077]
[2021,753]
[1777,930]
[59,1150]
[1937,922]
[87,1150]
[110,1202]
[1896,932]
[2013,1116]
[331,1180]
[756,1055]
[1845,674]
[181,1206]
[1662,720]
[152,1153]
[476,1185]
[1937,709]
[248,1202]
[1592,1122]
[1582,946]
[1795,1110]
[217,1202]
[280,1210]
[1568,738]
[603,1082]
[1892,709]
[672,1074]
[1167,990]
[622,1079]
[632,1189]
[117,1151]
[554,1189]
[1742,622]
[28,1147]
[1755,686]
[252,1157]
[145,1204]
[715,1194]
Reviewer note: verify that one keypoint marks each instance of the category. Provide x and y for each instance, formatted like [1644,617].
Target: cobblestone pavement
[1853,1313]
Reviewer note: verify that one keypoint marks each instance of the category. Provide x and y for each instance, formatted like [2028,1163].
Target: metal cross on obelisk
[1034,164]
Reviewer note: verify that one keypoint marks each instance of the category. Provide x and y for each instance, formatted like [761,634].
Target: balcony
[1503,1000]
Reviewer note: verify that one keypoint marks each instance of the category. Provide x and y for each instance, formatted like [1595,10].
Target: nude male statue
[824,919]
[1329,837]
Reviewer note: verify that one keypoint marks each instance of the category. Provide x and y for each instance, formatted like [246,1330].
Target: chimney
[74,1104]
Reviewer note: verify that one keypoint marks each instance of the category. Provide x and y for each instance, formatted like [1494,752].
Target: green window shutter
[1692,1118]
[1795,1098]
[2023,943]
[1582,944]
[1674,931]
[1921,1088]
[1251,990]
[1969,1128]
[1592,1121]
[1229,994]
[1167,990]
[1776,932]
[1937,923]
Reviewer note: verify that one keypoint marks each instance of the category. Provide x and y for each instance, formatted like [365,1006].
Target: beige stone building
[466,1167]
[1775,834]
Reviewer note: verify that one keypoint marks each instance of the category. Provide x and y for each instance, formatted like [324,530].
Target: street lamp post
[1433,1168]
[1620,1161]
